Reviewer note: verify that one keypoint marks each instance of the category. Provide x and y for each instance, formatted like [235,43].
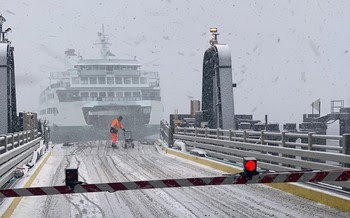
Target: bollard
[346,147]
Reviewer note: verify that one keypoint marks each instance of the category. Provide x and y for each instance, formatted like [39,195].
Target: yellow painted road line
[304,192]
[17,200]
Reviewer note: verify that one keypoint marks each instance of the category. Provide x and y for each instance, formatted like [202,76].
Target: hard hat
[120,118]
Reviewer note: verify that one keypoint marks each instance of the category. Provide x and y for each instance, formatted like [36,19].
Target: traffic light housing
[72,177]
[250,167]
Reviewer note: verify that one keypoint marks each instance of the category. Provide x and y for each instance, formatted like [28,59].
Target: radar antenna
[103,41]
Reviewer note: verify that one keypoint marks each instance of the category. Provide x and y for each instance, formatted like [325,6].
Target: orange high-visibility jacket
[116,124]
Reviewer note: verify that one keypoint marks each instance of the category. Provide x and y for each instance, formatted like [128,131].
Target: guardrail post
[230,135]
[218,133]
[6,142]
[244,136]
[195,132]
[262,137]
[346,147]
[283,138]
[184,131]
[206,133]
[18,140]
[310,140]
[12,140]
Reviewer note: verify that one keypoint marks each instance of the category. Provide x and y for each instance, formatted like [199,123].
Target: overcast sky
[285,54]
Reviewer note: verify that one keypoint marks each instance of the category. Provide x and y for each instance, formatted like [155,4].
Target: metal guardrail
[165,132]
[278,151]
[309,141]
[16,149]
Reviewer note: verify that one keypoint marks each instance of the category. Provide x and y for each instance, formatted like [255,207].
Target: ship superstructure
[95,91]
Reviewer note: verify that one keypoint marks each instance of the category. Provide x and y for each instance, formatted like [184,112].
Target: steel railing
[17,149]
[279,151]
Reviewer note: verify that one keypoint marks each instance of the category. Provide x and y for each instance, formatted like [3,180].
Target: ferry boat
[82,101]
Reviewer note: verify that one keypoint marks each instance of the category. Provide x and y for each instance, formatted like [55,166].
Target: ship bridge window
[84,94]
[84,80]
[127,80]
[101,80]
[75,81]
[127,94]
[102,94]
[52,110]
[135,80]
[118,80]
[116,67]
[136,94]
[95,67]
[93,80]
[93,94]
[111,94]
[102,68]
[119,94]
[143,80]
[110,80]
[123,67]
[109,68]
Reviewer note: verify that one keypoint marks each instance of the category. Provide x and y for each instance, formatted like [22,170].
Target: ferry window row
[109,94]
[107,67]
[50,110]
[93,80]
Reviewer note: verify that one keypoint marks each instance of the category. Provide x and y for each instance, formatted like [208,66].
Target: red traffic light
[250,165]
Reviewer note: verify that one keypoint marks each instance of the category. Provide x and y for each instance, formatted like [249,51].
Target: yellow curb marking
[17,200]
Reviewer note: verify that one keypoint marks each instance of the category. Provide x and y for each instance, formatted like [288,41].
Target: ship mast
[103,42]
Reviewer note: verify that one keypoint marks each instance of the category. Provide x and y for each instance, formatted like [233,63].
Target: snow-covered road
[98,162]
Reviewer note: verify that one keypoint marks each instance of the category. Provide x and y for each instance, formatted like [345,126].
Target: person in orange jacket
[115,126]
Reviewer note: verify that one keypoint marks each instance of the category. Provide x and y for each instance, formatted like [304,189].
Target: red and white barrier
[285,177]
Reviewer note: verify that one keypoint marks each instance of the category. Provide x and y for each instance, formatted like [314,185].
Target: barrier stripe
[284,177]
[344,176]
[316,195]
